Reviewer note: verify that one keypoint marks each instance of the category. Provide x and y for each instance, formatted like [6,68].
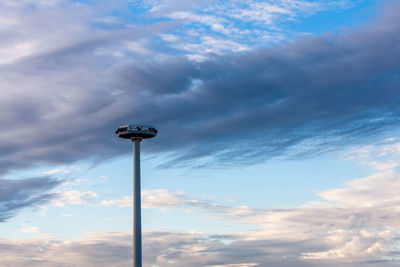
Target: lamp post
[136,133]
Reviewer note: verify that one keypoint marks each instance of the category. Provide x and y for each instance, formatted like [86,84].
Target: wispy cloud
[246,24]
[24,193]
[164,199]
[74,197]
[29,229]
[123,202]
[158,198]
[237,22]
[57,171]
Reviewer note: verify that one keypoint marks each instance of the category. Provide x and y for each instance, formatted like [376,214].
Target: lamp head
[130,131]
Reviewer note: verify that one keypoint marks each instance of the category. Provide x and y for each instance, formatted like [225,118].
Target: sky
[278,130]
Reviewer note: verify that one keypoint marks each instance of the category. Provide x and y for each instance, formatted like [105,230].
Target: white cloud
[247,264]
[74,197]
[382,156]
[170,37]
[113,249]
[140,47]
[57,171]
[33,232]
[125,201]
[205,19]
[159,198]
[28,229]
[76,181]
[69,215]
[230,21]
[163,199]
[262,12]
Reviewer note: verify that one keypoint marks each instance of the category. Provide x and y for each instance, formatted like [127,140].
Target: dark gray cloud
[18,194]
[312,95]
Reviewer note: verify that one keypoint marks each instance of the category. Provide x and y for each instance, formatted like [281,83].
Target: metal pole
[137,221]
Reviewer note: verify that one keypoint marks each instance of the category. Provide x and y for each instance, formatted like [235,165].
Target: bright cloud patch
[74,197]
[29,229]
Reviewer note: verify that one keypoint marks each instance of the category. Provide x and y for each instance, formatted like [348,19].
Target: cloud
[29,229]
[161,198]
[313,95]
[158,198]
[164,199]
[125,201]
[161,248]
[74,197]
[69,215]
[353,225]
[233,26]
[18,194]
[46,94]
[104,249]
[57,171]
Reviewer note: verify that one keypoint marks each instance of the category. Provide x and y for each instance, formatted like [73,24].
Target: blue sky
[277,141]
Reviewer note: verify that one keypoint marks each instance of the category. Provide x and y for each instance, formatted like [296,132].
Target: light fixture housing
[129,131]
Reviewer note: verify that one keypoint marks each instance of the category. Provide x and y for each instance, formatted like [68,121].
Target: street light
[136,133]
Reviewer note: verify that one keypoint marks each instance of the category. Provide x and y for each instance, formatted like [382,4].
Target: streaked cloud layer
[319,91]
[18,194]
